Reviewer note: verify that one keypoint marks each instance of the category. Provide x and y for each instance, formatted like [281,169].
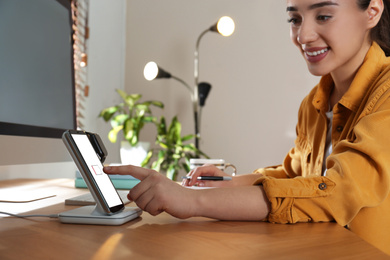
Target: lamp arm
[184,83]
[196,60]
[195,99]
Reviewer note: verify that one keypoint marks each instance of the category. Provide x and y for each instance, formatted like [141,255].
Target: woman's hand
[206,170]
[211,170]
[156,193]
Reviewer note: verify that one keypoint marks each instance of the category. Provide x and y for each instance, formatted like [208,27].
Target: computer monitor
[37,85]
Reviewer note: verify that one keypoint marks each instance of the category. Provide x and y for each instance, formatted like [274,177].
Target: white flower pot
[133,155]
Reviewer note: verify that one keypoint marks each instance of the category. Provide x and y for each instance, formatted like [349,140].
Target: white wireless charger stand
[94,215]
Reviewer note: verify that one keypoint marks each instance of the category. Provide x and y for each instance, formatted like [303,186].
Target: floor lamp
[225,26]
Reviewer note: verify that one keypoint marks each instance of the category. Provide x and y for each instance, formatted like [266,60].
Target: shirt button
[322,186]
[339,128]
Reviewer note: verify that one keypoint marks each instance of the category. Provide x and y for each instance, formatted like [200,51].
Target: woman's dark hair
[381,32]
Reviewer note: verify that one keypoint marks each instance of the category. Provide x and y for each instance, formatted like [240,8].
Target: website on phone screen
[96,168]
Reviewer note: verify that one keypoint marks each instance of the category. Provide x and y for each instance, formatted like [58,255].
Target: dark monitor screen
[37,89]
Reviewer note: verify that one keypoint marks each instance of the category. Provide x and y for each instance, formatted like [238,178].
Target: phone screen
[96,168]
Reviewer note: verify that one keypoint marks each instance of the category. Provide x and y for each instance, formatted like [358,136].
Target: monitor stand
[93,216]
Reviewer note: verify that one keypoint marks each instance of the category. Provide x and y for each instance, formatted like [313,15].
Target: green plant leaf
[118,120]
[162,127]
[128,128]
[176,156]
[174,131]
[160,159]
[122,94]
[147,159]
[134,140]
[112,135]
[172,172]
[163,145]
[149,119]
[186,166]
[187,137]
[129,135]
[131,100]
[157,104]
[190,147]
[135,97]
[107,113]
[142,109]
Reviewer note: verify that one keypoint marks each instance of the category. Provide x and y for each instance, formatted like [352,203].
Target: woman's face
[332,35]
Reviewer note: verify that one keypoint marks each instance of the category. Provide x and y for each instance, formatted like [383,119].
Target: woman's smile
[315,54]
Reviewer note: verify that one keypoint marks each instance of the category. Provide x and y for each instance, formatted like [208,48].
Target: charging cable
[29,216]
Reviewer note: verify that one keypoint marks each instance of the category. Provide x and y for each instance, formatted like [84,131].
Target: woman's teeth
[315,53]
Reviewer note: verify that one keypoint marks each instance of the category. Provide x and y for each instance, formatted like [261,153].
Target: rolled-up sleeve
[298,199]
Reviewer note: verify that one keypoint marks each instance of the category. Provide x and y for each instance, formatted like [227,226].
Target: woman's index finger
[137,172]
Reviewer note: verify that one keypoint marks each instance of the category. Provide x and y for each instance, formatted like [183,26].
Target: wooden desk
[165,237]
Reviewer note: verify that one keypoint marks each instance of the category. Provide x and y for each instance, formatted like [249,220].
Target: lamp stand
[196,91]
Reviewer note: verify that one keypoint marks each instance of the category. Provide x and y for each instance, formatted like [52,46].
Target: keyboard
[87,199]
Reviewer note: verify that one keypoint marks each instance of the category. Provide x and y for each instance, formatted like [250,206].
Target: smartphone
[89,163]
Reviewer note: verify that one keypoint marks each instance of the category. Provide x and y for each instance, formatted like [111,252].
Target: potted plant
[173,152]
[130,116]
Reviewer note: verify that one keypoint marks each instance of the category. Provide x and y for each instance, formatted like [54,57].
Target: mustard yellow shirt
[355,190]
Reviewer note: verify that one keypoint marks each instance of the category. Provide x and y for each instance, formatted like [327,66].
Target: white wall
[106,65]
[258,77]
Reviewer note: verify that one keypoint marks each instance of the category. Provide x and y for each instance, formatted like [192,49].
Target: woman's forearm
[236,203]
[156,193]
[245,179]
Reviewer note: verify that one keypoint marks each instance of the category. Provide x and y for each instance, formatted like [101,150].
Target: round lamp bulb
[225,26]
[150,70]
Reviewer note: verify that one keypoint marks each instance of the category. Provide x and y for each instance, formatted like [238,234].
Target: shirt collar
[364,78]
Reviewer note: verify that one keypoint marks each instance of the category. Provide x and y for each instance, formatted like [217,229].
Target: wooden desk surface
[164,237]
